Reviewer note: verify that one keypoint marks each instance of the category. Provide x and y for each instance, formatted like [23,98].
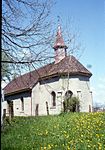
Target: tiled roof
[27,81]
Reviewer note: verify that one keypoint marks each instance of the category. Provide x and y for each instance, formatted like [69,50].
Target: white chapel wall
[80,87]
[17,106]
[42,93]
[85,94]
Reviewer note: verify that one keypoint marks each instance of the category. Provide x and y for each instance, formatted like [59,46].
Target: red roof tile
[27,81]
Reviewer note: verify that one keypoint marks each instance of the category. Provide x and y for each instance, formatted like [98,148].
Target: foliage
[72,131]
[71,104]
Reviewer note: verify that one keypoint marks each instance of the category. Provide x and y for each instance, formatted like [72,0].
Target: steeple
[59,46]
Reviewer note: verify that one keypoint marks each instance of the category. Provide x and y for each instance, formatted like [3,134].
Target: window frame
[53,99]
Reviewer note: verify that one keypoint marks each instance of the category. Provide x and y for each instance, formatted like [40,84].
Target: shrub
[71,104]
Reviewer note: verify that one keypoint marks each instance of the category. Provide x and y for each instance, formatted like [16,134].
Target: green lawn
[72,131]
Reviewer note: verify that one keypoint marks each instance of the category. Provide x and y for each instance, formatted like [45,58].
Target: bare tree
[26,32]
[27,35]
[72,37]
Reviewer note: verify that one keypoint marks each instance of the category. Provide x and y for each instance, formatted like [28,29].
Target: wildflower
[46,132]
[68,148]
[97,135]
[89,146]
[49,146]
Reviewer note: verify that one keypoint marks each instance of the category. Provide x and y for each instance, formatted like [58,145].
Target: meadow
[71,131]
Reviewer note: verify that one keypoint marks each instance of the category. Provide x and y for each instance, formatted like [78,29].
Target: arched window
[68,94]
[53,98]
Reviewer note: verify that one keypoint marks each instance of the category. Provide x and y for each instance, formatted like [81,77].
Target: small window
[22,103]
[53,98]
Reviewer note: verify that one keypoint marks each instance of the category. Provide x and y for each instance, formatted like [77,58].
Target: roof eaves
[19,91]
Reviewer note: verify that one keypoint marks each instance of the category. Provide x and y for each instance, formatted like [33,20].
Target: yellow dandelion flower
[49,146]
[89,146]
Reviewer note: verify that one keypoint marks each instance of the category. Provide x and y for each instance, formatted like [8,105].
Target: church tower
[59,46]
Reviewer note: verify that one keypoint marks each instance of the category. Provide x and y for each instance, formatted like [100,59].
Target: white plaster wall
[17,107]
[81,88]
[75,85]
[86,98]
[35,98]
[42,93]
[71,84]
[5,106]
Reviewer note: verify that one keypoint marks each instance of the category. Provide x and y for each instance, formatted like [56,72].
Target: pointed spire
[59,42]
[59,46]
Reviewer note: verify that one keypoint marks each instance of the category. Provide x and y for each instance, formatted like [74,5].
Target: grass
[72,131]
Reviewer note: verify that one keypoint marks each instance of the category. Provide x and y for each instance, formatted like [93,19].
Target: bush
[71,104]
